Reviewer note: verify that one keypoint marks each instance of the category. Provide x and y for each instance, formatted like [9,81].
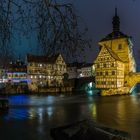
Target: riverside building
[45,71]
[115,61]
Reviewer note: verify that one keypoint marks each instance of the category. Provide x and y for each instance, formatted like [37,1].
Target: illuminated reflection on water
[37,114]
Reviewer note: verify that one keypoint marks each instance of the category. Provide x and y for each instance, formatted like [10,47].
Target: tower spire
[116,22]
[115,11]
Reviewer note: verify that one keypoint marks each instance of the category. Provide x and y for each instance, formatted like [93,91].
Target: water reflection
[32,113]
[40,113]
[17,114]
[23,107]
[93,109]
[19,100]
[92,92]
[49,111]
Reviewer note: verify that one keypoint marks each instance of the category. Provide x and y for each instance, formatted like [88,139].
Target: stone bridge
[132,79]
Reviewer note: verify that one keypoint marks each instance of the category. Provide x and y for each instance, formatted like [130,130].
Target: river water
[31,116]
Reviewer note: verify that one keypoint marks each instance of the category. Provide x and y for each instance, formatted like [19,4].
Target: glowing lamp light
[81,75]
[90,85]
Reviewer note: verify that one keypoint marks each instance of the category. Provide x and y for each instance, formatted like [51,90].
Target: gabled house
[109,70]
[45,71]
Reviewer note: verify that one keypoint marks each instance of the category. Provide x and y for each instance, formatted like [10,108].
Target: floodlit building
[72,70]
[3,75]
[45,71]
[85,70]
[115,60]
[17,72]
[79,70]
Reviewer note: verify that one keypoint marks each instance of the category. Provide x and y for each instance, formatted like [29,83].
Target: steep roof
[114,35]
[42,59]
[113,54]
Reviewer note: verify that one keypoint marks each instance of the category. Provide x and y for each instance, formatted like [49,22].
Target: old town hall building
[114,61]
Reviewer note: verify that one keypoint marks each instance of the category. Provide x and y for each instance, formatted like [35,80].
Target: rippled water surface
[32,117]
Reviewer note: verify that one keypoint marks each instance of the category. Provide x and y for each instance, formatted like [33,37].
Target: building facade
[85,70]
[17,73]
[45,71]
[114,61]
[79,70]
[72,70]
[109,70]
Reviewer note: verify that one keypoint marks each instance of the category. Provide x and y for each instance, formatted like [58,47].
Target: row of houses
[44,72]
[114,66]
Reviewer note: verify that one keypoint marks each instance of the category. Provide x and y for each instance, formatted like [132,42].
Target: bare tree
[11,15]
[5,34]
[55,24]
[57,28]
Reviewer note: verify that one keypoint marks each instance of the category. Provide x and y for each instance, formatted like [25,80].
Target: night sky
[98,17]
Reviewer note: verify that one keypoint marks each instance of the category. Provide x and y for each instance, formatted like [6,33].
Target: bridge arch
[135,89]
[131,80]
